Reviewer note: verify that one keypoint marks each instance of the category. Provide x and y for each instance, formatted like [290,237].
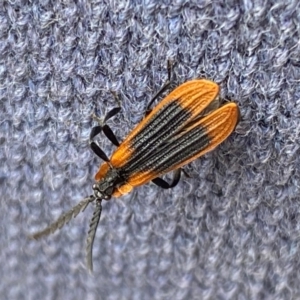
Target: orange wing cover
[185,125]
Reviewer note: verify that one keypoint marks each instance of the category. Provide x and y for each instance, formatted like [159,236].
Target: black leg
[110,135]
[164,87]
[165,185]
[111,113]
[102,123]
[106,130]
[98,151]
[104,127]
[186,173]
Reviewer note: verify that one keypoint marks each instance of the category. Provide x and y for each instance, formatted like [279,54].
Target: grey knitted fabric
[232,231]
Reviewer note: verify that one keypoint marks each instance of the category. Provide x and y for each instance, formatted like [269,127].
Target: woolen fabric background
[232,231]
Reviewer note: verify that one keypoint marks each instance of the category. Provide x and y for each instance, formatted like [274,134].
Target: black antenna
[63,219]
[92,233]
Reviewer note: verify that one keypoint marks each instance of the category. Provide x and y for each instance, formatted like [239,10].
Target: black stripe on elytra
[162,126]
[182,147]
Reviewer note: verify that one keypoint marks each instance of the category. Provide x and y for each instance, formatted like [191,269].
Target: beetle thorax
[106,186]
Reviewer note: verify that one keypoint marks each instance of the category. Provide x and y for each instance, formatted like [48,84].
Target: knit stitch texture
[232,231]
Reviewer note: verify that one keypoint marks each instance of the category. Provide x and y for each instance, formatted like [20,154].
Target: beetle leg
[106,130]
[164,184]
[164,87]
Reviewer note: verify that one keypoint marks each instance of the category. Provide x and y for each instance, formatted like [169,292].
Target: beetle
[187,123]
